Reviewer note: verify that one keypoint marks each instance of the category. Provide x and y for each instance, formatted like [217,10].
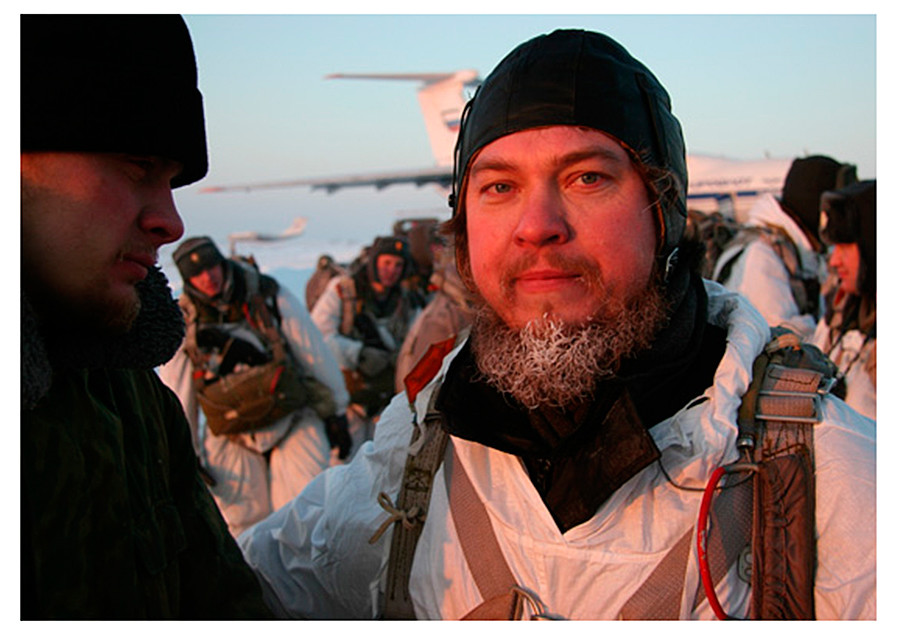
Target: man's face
[91,227]
[558,222]
[210,281]
[845,261]
[390,269]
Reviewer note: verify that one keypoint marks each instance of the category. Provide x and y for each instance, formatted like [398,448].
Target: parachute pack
[725,241]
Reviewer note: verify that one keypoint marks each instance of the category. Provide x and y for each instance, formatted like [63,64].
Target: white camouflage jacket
[315,560]
[760,275]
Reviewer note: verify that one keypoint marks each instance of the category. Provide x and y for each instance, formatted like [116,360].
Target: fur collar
[152,341]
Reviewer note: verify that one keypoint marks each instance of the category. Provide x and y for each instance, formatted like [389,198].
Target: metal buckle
[814,399]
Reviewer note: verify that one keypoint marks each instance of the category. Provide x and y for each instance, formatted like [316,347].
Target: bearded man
[573,431]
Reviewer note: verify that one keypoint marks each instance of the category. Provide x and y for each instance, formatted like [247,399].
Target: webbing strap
[502,597]
[775,419]
[476,536]
[415,495]
[659,597]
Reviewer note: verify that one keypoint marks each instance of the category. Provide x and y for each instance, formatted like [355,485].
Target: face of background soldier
[91,227]
[390,269]
[845,261]
[210,281]
[558,222]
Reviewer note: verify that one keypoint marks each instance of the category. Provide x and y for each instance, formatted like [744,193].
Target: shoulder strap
[659,597]
[476,536]
[351,304]
[189,311]
[412,505]
[804,287]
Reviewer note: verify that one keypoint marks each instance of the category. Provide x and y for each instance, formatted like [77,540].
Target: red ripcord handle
[705,576]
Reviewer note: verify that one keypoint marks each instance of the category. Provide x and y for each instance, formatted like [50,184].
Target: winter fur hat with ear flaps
[397,246]
[848,217]
[580,78]
[196,254]
[805,182]
[113,84]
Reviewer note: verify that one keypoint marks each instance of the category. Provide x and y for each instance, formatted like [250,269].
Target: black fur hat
[113,83]
[805,182]
[196,254]
[391,245]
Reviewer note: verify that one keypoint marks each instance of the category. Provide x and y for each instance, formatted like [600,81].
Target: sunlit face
[845,262]
[91,227]
[210,281]
[558,221]
[390,269]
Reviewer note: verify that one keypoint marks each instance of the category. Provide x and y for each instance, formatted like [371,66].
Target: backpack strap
[350,303]
[660,596]
[804,289]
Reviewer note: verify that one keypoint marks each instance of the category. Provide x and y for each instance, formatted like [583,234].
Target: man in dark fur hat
[116,522]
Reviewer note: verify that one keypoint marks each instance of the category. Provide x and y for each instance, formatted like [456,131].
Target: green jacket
[116,521]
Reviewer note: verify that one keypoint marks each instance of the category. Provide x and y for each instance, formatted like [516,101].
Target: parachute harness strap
[408,518]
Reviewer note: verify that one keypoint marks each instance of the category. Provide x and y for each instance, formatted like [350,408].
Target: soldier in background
[847,331]
[364,316]
[269,388]
[446,316]
[776,259]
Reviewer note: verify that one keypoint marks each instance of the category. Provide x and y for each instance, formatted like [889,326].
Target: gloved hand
[373,361]
[336,428]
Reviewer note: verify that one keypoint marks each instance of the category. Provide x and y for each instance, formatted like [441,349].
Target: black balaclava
[113,83]
[848,217]
[580,78]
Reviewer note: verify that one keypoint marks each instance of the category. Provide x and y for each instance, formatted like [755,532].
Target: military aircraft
[294,230]
[716,184]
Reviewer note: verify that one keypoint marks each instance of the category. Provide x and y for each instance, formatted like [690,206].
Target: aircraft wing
[439,175]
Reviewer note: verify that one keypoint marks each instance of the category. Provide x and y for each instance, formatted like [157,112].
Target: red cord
[705,576]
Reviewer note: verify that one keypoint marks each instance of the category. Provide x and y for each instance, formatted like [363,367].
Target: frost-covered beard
[551,363]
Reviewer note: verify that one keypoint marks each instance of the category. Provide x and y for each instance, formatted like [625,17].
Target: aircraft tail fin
[442,97]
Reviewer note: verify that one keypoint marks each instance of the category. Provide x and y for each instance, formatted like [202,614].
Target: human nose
[160,217]
[835,259]
[542,220]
